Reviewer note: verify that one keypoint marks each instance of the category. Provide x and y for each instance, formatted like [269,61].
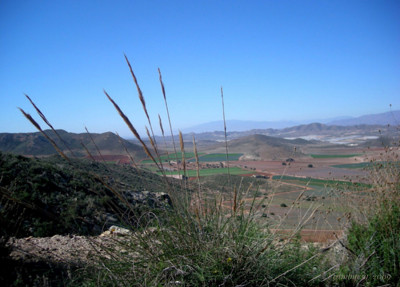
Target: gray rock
[151,199]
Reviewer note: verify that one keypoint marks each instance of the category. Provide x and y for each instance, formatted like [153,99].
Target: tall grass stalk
[95,145]
[37,126]
[47,122]
[226,137]
[169,117]
[152,138]
[88,152]
[133,130]
[128,153]
[182,146]
[199,197]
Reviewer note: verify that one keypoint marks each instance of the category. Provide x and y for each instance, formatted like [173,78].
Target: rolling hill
[48,196]
[317,131]
[263,147]
[37,145]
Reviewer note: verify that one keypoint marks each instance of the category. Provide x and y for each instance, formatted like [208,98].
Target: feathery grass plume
[133,130]
[163,135]
[197,159]
[169,118]
[226,139]
[149,136]
[153,144]
[37,126]
[166,148]
[235,191]
[127,152]
[198,173]
[141,98]
[182,145]
[97,148]
[49,124]
[161,125]
[87,151]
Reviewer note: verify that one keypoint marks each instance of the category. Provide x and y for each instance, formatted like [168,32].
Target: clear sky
[276,60]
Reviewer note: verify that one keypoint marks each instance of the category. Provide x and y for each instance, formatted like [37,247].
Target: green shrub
[375,250]
[374,244]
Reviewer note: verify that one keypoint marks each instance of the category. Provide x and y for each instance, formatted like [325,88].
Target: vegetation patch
[368,165]
[334,155]
[173,157]
[355,165]
[321,182]
[219,157]
[375,250]
[43,197]
[211,171]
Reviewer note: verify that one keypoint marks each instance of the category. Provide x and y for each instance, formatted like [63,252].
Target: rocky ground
[77,250]
[70,249]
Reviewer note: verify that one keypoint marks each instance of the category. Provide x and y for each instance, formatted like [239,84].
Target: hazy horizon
[276,60]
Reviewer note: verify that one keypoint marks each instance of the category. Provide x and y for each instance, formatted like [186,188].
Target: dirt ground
[322,168]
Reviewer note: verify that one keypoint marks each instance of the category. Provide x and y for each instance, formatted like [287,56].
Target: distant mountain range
[391,118]
[388,118]
[350,131]
[238,126]
[313,131]
[36,144]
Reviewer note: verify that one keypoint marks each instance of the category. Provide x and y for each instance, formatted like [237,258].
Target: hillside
[37,145]
[43,197]
[383,141]
[263,147]
[335,134]
[330,130]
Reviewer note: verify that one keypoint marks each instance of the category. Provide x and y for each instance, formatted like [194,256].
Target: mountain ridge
[35,144]
[386,118]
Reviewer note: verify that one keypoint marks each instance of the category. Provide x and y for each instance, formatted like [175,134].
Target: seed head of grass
[132,129]
[37,126]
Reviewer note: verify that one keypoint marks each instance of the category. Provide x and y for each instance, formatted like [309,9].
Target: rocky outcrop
[70,249]
[151,199]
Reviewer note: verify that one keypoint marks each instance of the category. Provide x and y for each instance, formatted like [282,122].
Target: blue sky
[276,60]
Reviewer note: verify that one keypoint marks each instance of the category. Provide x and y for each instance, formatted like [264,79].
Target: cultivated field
[313,193]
